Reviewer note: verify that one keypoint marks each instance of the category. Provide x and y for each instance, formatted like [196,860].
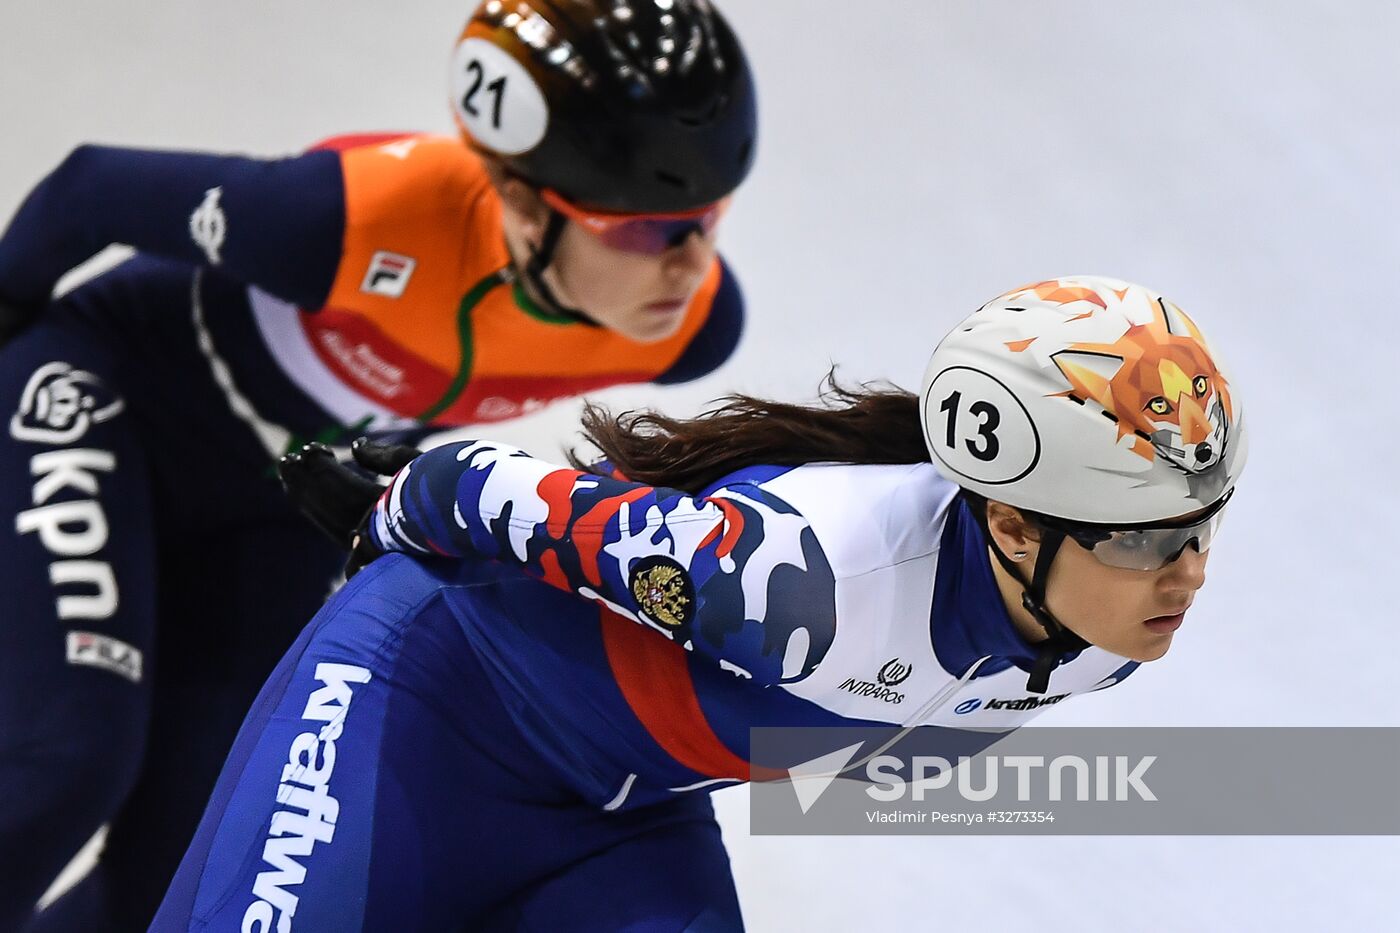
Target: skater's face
[642,295]
[1131,613]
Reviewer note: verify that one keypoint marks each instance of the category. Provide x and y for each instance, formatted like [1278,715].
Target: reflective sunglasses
[1143,548]
[651,234]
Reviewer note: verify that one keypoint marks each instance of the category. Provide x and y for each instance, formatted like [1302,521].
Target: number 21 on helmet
[610,107]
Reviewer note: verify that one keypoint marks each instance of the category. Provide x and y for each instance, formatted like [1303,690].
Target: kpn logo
[890,778]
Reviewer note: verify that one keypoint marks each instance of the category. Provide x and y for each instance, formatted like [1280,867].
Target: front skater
[154,573]
[516,729]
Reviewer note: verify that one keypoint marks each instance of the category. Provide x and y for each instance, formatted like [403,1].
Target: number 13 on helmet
[1085,398]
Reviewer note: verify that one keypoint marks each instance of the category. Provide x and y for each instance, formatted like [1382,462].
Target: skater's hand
[338,497]
[384,459]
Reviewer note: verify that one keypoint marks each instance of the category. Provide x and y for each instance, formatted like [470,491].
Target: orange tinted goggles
[651,234]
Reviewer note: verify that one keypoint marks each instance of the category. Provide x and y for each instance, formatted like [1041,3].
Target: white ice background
[917,158]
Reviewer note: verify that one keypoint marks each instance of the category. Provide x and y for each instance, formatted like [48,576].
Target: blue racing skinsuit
[456,744]
[153,572]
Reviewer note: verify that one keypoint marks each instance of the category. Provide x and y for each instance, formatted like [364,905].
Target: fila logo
[388,274]
[90,649]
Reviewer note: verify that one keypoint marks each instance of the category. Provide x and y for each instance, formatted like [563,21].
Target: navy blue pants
[379,783]
[151,574]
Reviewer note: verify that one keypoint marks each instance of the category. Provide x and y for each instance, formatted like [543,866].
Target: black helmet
[628,106]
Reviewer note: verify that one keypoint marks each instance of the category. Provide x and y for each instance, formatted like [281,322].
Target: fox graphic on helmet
[1159,382]
[1087,398]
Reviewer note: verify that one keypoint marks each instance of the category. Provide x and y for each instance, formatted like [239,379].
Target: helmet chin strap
[540,258]
[1060,639]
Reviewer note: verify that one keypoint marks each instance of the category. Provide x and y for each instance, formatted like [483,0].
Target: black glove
[15,318]
[339,498]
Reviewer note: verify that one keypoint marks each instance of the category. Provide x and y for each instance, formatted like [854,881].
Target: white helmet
[1084,398]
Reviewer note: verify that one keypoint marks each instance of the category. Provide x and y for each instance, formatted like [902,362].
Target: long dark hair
[868,423]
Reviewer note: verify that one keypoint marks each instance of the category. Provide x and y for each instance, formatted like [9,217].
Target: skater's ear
[523,207]
[525,204]
[1016,536]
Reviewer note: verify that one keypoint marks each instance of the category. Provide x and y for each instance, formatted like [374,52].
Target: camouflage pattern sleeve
[737,576]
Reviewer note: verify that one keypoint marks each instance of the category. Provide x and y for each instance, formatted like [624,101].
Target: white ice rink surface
[917,158]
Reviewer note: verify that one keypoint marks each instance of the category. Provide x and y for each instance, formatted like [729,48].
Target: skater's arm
[275,223]
[737,576]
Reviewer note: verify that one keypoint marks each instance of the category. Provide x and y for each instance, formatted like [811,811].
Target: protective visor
[652,234]
[1149,548]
